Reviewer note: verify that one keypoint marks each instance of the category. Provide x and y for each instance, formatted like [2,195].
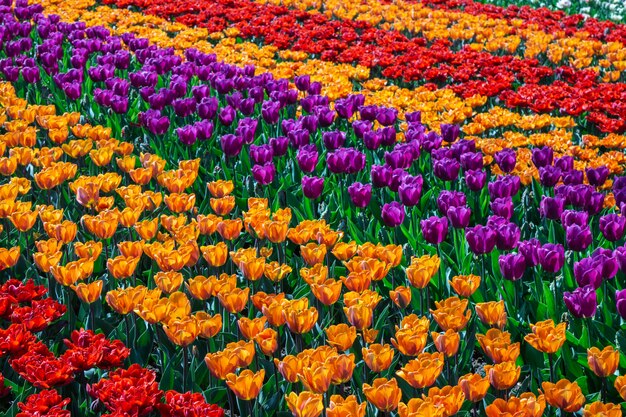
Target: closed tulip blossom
[603,362]
[564,395]
[393,214]
[434,229]
[582,302]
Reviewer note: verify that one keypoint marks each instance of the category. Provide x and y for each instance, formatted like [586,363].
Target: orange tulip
[603,362]
[9,257]
[359,315]
[24,220]
[289,367]
[88,293]
[340,336]
[252,268]
[267,340]
[344,251]
[147,229]
[492,313]
[209,326]
[384,394]
[180,202]
[422,371]
[417,407]
[51,246]
[222,206]
[316,377]
[132,249]
[274,271]
[601,409]
[498,347]
[327,292]
[250,328]
[546,337]
[275,231]
[129,216]
[348,407]
[220,188]
[45,261]
[474,387]
[182,332]
[200,288]
[65,231]
[422,270]
[274,313]
[620,386]
[342,368]
[168,282]
[313,254]
[121,300]
[564,395]
[229,229]
[300,321]
[126,163]
[234,300]
[401,296]
[465,285]
[305,404]
[524,405]
[89,250]
[410,341]
[247,385]
[122,267]
[451,313]
[504,375]
[215,255]
[208,224]
[378,357]
[450,398]
[244,351]
[221,364]
[447,343]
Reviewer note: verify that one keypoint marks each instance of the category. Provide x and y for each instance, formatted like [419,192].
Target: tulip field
[407,208]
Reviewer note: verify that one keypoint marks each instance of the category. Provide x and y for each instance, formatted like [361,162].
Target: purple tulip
[360,194]
[386,116]
[312,187]
[572,217]
[481,239]
[588,271]
[447,199]
[398,176]
[573,177]
[204,128]
[398,159]
[279,145]
[381,175]
[564,163]
[506,159]
[551,207]
[333,140]
[315,88]
[392,214]
[372,139]
[507,236]
[582,302]
[512,266]
[578,238]
[620,302]
[226,116]
[502,207]
[475,180]
[434,229]
[595,203]
[413,117]
[307,158]
[507,186]
[344,108]
[549,176]
[261,154]
[231,144]
[597,176]
[410,191]
[459,217]
[299,137]
[207,109]
[612,227]
[551,257]
[449,133]
[446,169]
[361,127]
[472,161]
[184,107]
[608,259]
[530,250]
[264,174]
[187,134]
[302,82]
[543,156]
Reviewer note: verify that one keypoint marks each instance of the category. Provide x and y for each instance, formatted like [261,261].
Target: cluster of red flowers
[23,304]
[45,403]
[394,55]
[550,21]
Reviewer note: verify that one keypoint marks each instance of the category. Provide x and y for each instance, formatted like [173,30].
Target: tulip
[474,387]
[88,293]
[392,214]
[543,156]
[359,315]
[603,362]
[564,395]
[448,398]
[581,302]
[551,207]
[401,296]
[551,257]
[504,375]
[384,394]
[601,409]
[512,266]
[316,377]
[300,321]
[546,337]
[247,385]
[451,313]
[526,404]
[209,326]
[447,343]
[434,229]
[578,238]
[182,332]
[498,347]
[312,187]
[423,371]
[506,159]
[305,404]
[327,292]
[481,239]
[492,313]
[250,328]
[348,407]
[612,227]
[378,357]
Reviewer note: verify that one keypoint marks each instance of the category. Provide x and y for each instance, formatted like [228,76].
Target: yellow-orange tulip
[305,404]
[316,377]
[422,371]
[247,385]
[9,257]
[450,398]
[383,394]
[599,409]
[401,296]
[524,405]
[169,281]
[546,337]
[474,386]
[234,300]
[200,287]
[289,367]
[603,362]
[250,328]
[503,376]
[340,336]
[209,325]
[215,255]
[122,267]
[564,395]
[267,340]
[378,357]
[182,332]
[447,343]
[221,364]
[220,188]
[88,293]
[492,313]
